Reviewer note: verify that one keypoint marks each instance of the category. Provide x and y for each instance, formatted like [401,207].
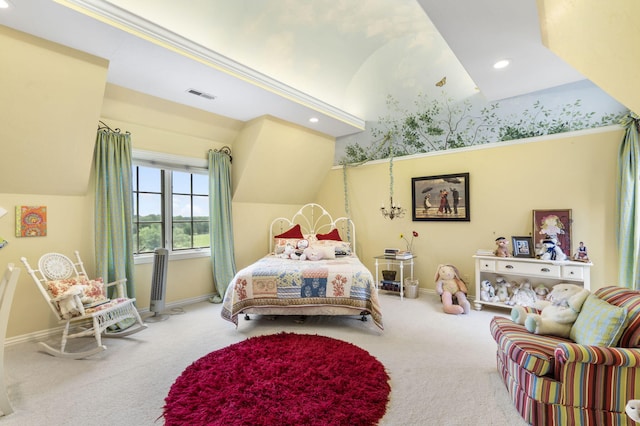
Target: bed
[337,284]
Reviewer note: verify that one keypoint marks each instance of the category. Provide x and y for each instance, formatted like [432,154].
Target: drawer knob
[509,267]
[571,273]
[545,270]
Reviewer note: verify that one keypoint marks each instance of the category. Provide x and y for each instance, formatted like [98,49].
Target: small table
[400,263]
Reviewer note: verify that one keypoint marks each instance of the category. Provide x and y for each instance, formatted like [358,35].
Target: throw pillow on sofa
[599,323]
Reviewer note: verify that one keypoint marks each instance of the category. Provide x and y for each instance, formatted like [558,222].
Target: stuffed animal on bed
[448,285]
[558,312]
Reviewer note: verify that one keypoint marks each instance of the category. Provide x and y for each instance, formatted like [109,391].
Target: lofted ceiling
[296,59]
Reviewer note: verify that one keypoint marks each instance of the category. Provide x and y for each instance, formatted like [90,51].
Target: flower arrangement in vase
[414,234]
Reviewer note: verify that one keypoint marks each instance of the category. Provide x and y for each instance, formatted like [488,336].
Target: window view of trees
[167,199]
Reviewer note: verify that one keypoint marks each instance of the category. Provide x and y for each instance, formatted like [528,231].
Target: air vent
[201,94]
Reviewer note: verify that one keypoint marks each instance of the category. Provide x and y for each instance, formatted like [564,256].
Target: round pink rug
[281,379]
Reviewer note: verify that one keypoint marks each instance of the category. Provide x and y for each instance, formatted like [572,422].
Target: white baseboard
[43,334]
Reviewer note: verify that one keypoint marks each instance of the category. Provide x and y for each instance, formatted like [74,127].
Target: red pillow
[334,235]
[294,232]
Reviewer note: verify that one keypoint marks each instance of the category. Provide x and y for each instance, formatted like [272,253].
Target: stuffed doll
[502,250]
[502,290]
[523,295]
[558,312]
[633,410]
[448,285]
[550,250]
[541,291]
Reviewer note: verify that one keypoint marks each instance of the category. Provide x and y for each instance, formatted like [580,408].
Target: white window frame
[178,163]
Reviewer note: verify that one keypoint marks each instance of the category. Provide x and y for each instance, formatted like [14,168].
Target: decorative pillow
[599,323]
[333,235]
[328,252]
[340,247]
[92,290]
[294,232]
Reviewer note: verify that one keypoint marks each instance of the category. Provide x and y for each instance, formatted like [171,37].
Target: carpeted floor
[283,379]
[442,367]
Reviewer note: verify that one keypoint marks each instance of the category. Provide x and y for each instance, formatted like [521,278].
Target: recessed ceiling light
[313,120]
[4,4]
[501,64]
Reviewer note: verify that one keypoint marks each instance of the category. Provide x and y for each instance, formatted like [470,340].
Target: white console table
[547,272]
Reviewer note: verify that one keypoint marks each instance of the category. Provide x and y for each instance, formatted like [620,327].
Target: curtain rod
[104,126]
[225,150]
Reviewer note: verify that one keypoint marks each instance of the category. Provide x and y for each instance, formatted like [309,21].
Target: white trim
[141,259]
[44,334]
[169,161]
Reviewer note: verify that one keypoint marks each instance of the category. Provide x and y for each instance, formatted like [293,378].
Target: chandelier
[394,210]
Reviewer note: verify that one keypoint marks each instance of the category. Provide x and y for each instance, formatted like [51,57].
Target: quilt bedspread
[277,282]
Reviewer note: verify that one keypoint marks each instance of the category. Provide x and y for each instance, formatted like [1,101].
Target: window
[170,207]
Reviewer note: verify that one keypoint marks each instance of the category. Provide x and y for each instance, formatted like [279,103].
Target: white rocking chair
[73,297]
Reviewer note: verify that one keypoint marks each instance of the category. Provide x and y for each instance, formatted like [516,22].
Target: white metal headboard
[314,219]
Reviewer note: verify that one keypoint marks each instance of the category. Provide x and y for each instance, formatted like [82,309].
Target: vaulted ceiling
[335,60]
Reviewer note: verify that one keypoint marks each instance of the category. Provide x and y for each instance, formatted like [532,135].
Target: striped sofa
[554,381]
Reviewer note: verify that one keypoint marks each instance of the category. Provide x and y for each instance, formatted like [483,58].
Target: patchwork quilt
[277,282]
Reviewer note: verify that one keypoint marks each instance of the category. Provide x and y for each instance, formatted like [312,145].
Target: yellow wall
[600,40]
[50,98]
[507,182]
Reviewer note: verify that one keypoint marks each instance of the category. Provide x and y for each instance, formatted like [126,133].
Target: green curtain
[221,227]
[629,204]
[113,207]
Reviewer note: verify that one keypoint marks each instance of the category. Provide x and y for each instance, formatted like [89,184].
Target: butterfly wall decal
[442,82]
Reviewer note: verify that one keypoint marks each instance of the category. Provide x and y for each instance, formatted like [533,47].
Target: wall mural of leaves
[437,124]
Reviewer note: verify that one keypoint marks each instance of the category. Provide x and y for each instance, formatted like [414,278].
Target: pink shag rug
[281,379]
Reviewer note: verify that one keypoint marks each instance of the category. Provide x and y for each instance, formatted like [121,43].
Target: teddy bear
[487,291]
[69,302]
[502,290]
[502,250]
[550,250]
[558,312]
[448,285]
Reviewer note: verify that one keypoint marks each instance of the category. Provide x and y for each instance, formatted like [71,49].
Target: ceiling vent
[201,94]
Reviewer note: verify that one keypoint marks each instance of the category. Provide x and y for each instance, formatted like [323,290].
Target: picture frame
[523,247]
[547,222]
[441,198]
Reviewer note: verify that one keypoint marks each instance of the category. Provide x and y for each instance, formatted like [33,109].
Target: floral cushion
[340,247]
[92,290]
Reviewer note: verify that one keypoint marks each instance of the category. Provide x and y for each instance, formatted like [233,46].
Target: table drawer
[573,272]
[531,269]
[487,265]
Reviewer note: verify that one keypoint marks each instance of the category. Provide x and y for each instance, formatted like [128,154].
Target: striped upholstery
[553,381]
[532,352]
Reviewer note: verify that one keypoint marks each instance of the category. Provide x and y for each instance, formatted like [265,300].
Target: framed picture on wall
[523,247]
[441,198]
[553,222]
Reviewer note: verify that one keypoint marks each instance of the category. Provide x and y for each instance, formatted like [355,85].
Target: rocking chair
[74,298]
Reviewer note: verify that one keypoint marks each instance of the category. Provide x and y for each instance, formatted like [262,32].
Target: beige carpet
[442,367]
